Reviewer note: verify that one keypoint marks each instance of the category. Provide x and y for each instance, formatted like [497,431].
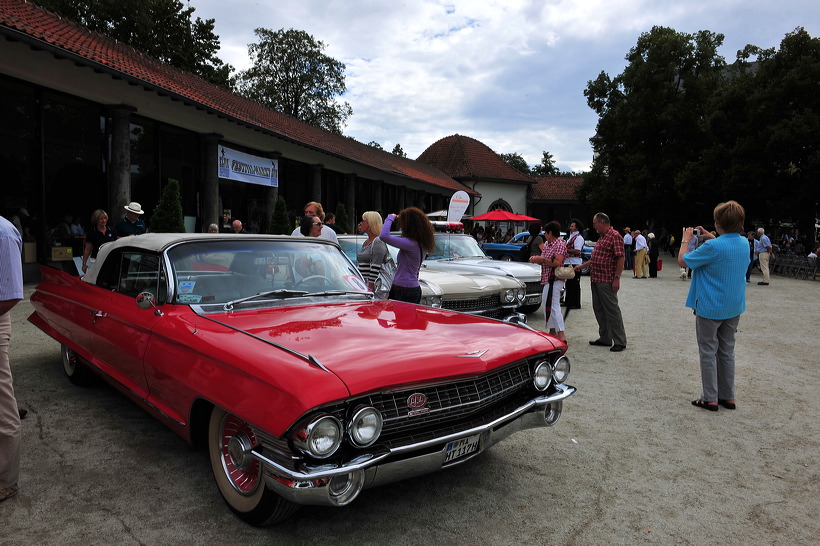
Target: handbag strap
[548,303]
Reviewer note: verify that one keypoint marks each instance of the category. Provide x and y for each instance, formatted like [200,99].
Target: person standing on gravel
[718,297]
[606,265]
[11,291]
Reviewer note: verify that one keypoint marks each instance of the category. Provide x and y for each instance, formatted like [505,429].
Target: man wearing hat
[131,223]
[627,248]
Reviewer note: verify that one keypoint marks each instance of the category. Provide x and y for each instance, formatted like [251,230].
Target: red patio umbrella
[499,215]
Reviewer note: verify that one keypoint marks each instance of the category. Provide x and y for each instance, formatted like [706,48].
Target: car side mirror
[145,300]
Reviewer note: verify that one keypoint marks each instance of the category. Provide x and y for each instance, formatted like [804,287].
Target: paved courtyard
[630,460]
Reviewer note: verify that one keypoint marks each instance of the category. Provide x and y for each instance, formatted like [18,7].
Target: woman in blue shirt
[718,297]
[417,240]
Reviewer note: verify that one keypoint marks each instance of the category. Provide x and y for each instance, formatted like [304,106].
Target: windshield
[222,271]
[456,246]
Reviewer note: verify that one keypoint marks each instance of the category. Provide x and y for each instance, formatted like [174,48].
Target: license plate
[459,448]
[533,299]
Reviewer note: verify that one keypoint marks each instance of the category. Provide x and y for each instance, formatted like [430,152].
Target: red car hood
[375,345]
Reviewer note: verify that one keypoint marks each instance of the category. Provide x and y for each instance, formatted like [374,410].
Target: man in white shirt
[627,248]
[575,244]
[641,269]
[315,209]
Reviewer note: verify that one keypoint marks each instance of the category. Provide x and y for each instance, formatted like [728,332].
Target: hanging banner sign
[235,165]
[458,205]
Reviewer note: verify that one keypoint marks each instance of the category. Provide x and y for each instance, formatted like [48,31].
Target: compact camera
[696,232]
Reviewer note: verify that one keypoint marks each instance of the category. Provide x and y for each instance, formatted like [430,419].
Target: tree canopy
[292,75]
[545,168]
[163,29]
[680,131]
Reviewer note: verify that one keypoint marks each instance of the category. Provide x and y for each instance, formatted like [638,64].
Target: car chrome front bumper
[309,485]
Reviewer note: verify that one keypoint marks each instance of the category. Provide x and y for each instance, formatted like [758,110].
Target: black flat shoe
[599,343]
[726,404]
[23,412]
[705,405]
[617,348]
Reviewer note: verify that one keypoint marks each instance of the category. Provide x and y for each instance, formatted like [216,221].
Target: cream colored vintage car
[475,293]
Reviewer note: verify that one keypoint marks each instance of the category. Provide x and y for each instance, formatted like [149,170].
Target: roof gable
[462,157]
[555,188]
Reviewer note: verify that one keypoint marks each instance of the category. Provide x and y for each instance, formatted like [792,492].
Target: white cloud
[510,73]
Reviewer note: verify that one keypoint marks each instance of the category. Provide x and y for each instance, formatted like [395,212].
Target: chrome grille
[535,288]
[472,305]
[452,406]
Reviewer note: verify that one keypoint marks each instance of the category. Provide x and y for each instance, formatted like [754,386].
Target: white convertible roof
[157,242]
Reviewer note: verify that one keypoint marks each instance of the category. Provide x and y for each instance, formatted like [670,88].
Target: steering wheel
[327,281]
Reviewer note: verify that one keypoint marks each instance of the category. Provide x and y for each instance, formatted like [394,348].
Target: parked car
[508,252]
[475,293]
[457,253]
[305,390]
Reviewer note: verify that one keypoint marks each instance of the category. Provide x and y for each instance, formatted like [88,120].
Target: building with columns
[90,123]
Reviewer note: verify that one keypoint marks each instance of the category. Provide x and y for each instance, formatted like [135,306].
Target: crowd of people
[491,234]
[716,261]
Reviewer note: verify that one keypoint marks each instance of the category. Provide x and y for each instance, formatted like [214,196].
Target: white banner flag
[235,165]
[458,205]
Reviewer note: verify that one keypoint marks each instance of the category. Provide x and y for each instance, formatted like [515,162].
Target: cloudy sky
[510,73]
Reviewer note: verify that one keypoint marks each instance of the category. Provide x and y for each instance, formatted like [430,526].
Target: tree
[341,218]
[764,146]
[517,162]
[546,167]
[397,150]
[374,144]
[650,123]
[163,29]
[167,217]
[291,75]
[279,222]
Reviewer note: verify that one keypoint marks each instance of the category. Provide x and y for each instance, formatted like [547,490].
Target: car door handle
[98,314]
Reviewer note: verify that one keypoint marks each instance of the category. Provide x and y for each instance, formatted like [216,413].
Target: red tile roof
[463,158]
[40,29]
[555,188]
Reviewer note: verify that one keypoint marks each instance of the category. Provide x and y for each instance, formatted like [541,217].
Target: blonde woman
[96,236]
[372,254]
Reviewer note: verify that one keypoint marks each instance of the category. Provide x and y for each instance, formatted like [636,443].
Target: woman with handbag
[373,254]
[552,257]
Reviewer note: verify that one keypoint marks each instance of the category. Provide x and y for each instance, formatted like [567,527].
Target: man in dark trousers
[606,266]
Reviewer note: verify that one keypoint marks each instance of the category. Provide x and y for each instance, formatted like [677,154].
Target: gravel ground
[630,460]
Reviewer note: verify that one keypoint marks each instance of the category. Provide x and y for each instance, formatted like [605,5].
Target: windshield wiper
[340,293]
[283,293]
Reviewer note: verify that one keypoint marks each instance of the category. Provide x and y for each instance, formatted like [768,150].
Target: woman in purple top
[416,241]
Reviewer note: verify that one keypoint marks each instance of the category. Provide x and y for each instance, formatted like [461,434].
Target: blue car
[508,252]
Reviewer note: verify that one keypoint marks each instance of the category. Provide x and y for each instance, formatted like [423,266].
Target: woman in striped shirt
[373,253]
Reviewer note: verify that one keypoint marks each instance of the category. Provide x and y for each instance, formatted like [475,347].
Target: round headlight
[431,301]
[320,437]
[560,370]
[542,375]
[365,426]
[520,293]
[509,295]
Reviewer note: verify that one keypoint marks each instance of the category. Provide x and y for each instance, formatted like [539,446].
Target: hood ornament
[473,354]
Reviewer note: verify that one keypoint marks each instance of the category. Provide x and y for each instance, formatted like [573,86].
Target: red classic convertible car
[306,390]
